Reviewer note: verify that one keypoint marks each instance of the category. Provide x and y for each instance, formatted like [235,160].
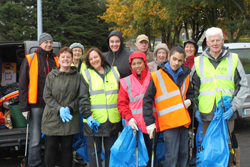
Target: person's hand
[150,130]
[93,124]
[65,114]
[227,115]
[187,103]
[25,114]
[68,115]
[133,124]
[198,116]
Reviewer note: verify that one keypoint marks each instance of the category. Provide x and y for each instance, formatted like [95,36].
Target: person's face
[138,65]
[161,55]
[47,45]
[95,60]
[65,59]
[215,43]
[114,43]
[142,46]
[77,53]
[176,60]
[190,49]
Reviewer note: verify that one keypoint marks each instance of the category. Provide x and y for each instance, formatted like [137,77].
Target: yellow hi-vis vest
[83,67]
[103,95]
[212,80]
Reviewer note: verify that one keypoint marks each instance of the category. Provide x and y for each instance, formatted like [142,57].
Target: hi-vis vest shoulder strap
[169,101]
[212,80]
[103,95]
[33,75]
[83,67]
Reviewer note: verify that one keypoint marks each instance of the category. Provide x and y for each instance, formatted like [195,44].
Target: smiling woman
[61,116]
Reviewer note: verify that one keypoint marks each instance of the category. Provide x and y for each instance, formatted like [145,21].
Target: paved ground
[242,130]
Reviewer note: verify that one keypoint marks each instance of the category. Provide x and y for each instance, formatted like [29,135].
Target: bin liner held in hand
[199,137]
[123,152]
[214,149]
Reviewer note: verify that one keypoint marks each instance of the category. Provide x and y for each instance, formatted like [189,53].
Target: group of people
[156,92]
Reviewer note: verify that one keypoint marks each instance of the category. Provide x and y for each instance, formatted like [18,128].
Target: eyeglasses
[48,42]
[75,51]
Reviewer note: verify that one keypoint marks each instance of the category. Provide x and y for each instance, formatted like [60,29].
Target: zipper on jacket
[45,72]
[113,59]
[47,61]
[106,98]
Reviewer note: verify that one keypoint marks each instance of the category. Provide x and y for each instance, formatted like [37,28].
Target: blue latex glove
[68,115]
[93,124]
[65,114]
[96,124]
[198,116]
[227,115]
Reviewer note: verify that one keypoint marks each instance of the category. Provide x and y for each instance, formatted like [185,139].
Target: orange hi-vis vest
[33,76]
[169,103]
[136,92]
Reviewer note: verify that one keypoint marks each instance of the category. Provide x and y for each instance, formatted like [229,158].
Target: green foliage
[68,21]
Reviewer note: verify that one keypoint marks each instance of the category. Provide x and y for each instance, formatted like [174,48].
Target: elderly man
[33,72]
[142,44]
[217,69]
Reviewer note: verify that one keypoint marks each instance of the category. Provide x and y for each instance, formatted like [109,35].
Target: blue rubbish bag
[199,137]
[160,149]
[123,152]
[214,149]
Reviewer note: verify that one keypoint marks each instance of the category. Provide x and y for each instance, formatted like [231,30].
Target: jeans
[35,156]
[108,142]
[176,147]
[52,147]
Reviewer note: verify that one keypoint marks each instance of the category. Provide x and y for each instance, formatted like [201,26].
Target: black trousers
[107,141]
[52,147]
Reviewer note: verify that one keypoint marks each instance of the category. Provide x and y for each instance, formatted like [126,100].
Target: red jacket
[123,97]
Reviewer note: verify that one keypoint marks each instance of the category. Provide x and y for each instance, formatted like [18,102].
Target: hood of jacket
[158,47]
[119,34]
[144,72]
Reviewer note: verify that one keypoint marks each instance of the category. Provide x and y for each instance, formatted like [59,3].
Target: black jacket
[46,62]
[120,59]
[151,91]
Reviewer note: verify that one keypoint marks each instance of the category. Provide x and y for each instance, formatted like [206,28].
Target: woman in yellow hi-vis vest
[99,106]
[171,91]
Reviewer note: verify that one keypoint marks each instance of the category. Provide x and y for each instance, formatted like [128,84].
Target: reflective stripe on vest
[169,102]
[215,80]
[103,95]
[33,76]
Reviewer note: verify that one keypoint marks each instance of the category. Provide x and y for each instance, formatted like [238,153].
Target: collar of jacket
[45,53]
[56,71]
[224,54]
[186,72]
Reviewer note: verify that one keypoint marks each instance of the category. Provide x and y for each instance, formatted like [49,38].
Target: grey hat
[77,45]
[44,37]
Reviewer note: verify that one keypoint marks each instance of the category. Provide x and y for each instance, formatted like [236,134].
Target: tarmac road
[242,130]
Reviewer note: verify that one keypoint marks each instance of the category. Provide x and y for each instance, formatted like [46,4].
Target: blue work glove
[65,114]
[227,115]
[198,116]
[93,124]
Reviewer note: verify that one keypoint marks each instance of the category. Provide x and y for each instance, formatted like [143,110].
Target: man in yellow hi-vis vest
[218,70]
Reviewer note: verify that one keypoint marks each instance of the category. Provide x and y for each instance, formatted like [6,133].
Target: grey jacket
[241,85]
[61,90]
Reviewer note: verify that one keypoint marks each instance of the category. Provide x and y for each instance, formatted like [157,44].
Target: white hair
[213,31]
